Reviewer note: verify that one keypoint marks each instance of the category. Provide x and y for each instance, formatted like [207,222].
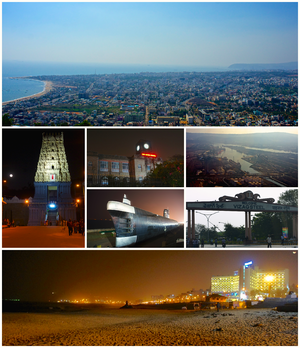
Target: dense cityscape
[232,98]
[242,160]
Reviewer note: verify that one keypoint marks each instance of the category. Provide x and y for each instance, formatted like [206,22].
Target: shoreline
[48,86]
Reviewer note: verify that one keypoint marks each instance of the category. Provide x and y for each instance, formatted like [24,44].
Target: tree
[289,197]
[6,121]
[265,224]
[84,123]
[167,174]
[272,223]
[231,232]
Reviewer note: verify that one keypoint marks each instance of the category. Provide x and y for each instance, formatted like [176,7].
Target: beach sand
[131,327]
[48,88]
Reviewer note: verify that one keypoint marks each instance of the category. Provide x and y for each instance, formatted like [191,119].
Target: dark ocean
[14,88]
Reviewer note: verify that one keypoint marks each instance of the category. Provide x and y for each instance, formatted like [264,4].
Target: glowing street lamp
[269,279]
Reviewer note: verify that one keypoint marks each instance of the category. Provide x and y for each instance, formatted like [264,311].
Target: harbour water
[237,157]
[19,88]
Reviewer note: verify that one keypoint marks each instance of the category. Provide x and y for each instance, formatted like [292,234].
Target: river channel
[237,157]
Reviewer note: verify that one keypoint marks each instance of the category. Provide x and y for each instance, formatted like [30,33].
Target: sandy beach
[48,87]
[131,327]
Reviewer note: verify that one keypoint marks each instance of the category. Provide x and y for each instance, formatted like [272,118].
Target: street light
[269,279]
[207,218]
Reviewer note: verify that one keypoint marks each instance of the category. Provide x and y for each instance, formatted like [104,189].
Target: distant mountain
[273,140]
[279,66]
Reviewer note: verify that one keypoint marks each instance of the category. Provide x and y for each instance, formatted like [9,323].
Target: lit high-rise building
[250,278]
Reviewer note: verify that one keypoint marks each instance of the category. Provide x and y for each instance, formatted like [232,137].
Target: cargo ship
[134,225]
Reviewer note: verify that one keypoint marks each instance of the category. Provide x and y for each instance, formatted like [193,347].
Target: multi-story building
[226,285]
[249,280]
[114,170]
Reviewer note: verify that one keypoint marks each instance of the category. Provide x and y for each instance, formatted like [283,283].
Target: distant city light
[52,205]
[11,175]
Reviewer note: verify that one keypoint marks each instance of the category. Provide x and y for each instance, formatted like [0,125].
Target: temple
[52,200]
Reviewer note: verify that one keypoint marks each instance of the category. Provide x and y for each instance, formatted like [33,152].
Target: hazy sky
[234,218]
[188,34]
[165,142]
[242,130]
[127,275]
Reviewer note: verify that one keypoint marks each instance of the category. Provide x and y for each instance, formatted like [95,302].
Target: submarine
[134,225]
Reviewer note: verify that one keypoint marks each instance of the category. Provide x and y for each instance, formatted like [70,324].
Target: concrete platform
[41,237]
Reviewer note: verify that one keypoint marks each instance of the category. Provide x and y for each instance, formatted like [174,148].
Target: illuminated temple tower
[52,200]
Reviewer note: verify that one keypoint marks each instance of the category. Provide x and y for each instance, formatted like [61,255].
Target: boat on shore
[134,225]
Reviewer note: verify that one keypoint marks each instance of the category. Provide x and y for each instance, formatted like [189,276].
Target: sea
[18,88]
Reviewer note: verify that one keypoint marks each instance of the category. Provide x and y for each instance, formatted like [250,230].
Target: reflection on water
[237,157]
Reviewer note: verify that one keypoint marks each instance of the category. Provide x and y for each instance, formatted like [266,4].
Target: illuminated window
[103,166]
[125,167]
[115,167]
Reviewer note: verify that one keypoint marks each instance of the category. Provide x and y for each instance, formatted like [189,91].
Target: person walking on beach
[269,241]
[218,306]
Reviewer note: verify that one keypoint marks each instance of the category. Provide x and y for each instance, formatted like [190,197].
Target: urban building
[52,201]
[249,281]
[115,170]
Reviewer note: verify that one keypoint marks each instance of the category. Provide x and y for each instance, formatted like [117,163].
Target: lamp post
[207,218]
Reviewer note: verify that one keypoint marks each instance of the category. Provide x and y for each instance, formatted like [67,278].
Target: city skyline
[126,275]
[213,34]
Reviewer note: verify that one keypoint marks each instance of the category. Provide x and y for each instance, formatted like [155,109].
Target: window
[115,167]
[140,167]
[104,181]
[125,167]
[90,164]
[148,167]
[140,179]
[103,166]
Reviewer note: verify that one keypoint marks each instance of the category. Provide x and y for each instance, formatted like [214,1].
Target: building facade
[249,280]
[115,170]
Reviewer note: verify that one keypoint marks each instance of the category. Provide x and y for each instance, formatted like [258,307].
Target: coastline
[48,86]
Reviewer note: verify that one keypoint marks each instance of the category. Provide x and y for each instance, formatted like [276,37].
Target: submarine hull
[134,225]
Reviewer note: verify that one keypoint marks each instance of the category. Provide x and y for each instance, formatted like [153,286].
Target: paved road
[252,246]
[40,237]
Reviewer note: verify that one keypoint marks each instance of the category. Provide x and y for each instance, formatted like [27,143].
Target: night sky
[165,142]
[21,149]
[127,275]
[151,200]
